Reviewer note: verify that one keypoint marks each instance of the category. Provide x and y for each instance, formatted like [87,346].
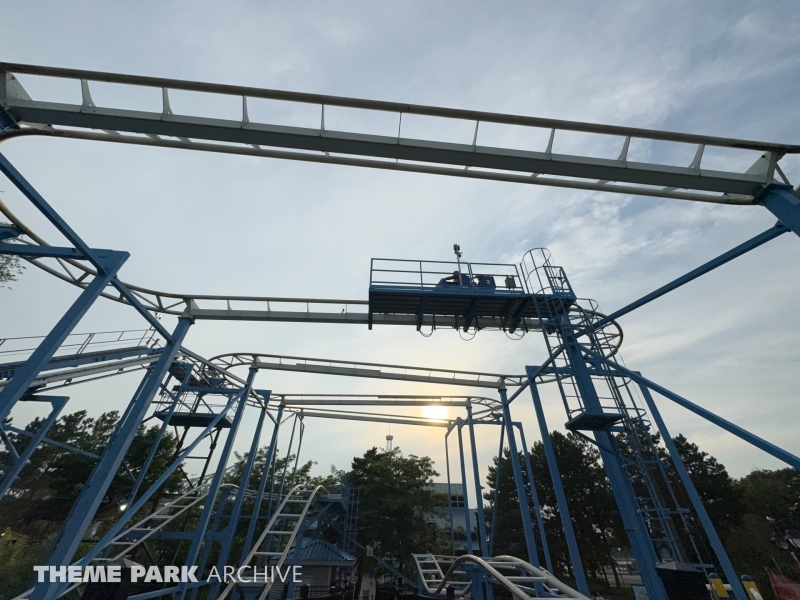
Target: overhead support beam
[373,418]
[751,244]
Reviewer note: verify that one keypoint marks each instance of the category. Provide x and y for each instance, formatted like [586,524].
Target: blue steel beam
[535,495]
[476,475]
[92,494]
[782,201]
[695,499]
[262,486]
[58,403]
[498,473]
[524,509]
[24,376]
[216,481]
[760,443]
[226,538]
[751,244]
[467,520]
[558,489]
[44,251]
[41,204]
[449,491]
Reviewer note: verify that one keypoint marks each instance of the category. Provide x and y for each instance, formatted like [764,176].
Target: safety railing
[19,348]
[444,275]
[541,276]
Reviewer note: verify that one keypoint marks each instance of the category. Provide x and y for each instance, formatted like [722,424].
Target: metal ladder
[351,520]
[283,527]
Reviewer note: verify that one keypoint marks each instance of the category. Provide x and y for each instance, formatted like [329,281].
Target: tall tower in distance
[389,439]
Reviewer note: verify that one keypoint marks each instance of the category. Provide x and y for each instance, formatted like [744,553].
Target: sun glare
[434,412]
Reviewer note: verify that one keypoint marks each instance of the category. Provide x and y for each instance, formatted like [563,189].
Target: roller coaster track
[521,581]
[277,308]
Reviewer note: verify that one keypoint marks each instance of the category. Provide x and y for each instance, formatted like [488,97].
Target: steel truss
[207,396]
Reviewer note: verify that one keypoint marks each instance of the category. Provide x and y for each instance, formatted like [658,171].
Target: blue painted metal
[760,443]
[476,475]
[216,480]
[162,430]
[262,486]
[524,509]
[467,519]
[83,511]
[449,491]
[695,499]
[558,489]
[244,482]
[782,201]
[24,376]
[498,475]
[58,403]
[751,244]
[535,495]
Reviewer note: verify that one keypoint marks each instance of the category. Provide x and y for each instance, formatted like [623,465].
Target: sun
[434,412]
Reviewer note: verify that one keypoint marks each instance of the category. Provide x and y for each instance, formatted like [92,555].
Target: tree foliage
[395,497]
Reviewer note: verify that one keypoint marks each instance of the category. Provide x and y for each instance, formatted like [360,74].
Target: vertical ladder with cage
[352,498]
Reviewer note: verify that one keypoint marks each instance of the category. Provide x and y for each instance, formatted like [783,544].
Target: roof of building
[315,552]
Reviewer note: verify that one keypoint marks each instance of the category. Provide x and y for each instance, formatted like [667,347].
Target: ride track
[582,343]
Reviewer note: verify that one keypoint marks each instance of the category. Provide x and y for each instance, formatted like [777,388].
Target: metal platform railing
[20,348]
[445,275]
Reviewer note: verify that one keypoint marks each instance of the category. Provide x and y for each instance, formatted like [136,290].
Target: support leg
[498,473]
[467,519]
[58,403]
[694,497]
[524,509]
[85,507]
[449,493]
[476,475]
[561,498]
[535,495]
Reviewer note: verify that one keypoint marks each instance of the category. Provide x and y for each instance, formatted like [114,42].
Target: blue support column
[92,494]
[519,481]
[476,475]
[694,497]
[498,474]
[216,481]
[24,376]
[227,537]
[621,487]
[558,489]
[58,403]
[162,430]
[265,476]
[760,443]
[467,520]
[535,495]
[782,201]
[449,491]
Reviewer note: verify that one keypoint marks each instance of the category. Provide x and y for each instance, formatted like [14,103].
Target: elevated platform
[194,419]
[589,421]
[464,291]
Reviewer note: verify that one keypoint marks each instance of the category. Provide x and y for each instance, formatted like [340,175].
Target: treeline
[752,514]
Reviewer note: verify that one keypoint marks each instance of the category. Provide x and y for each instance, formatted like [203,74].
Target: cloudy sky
[205,223]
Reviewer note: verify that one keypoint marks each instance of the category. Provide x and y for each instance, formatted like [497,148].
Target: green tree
[396,496]
[10,267]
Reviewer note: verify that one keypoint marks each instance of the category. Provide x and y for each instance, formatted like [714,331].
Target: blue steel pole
[449,491]
[247,472]
[498,473]
[24,376]
[758,442]
[265,476]
[535,495]
[782,201]
[162,430]
[216,481]
[92,494]
[524,509]
[58,403]
[762,238]
[467,519]
[476,475]
[558,489]
[621,487]
[694,497]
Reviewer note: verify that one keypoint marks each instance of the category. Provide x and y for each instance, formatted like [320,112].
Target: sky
[218,224]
